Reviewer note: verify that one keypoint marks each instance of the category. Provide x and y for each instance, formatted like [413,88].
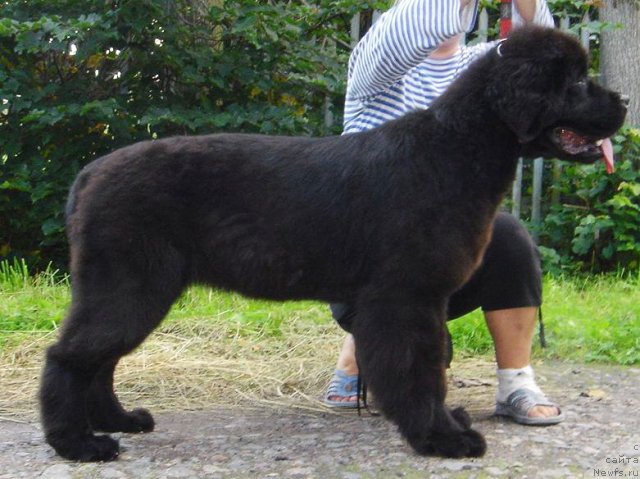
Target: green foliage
[81,78]
[594,226]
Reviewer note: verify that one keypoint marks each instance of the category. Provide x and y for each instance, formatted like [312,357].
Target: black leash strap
[543,339]
[361,388]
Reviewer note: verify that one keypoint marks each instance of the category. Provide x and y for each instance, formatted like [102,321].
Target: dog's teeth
[599,142]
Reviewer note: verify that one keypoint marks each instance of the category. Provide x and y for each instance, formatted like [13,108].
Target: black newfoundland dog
[392,220]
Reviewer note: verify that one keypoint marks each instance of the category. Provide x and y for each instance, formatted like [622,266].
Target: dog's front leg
[401,352]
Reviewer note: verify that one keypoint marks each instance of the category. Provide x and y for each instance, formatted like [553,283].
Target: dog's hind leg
[76,391]
[105,412]
[401,352]
[112,313]
[63,390]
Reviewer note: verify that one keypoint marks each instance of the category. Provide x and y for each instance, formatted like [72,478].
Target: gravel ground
[600,438]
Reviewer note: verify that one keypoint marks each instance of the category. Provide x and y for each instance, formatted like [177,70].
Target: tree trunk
[619,52]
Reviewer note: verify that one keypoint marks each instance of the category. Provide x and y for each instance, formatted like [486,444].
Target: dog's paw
[87,448]
[468,443]
[138,420]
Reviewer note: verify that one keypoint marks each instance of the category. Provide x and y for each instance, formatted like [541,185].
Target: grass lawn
[586,319]
[221,348]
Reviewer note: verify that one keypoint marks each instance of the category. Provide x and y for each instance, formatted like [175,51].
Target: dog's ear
[523,96]
[527,115]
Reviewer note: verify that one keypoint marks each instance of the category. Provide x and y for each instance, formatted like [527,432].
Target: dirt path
[600,438]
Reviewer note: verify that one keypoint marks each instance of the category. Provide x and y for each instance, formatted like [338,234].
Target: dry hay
[198,364]
[195,364]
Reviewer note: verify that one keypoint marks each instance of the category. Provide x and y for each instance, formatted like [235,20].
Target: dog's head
[540,89]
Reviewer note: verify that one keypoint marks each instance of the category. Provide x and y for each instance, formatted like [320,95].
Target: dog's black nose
[625,99]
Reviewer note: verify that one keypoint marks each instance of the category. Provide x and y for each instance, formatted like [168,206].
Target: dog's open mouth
[575,144]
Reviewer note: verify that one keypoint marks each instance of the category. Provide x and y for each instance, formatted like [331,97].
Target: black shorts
[509,276]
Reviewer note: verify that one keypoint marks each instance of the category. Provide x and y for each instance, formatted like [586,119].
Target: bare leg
[347,358]
[512,331]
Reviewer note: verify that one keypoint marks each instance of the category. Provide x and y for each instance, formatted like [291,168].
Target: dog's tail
[70,206]
[72,200]
[77,186]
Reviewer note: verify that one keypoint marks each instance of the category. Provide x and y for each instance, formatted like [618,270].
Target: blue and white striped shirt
[390,72]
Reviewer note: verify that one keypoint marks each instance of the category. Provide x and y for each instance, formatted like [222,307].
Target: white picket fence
[538,163]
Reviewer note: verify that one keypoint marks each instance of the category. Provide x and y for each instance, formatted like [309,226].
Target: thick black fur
[393,220]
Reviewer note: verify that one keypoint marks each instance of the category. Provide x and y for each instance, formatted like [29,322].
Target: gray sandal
[342,385]
[520,402]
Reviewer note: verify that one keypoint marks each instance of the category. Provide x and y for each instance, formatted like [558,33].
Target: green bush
[81,78]
[595,227]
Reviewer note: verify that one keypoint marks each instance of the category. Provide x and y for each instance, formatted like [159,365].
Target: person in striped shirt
[404,62]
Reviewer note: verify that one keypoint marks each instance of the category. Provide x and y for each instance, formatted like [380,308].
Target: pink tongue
[607,155]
